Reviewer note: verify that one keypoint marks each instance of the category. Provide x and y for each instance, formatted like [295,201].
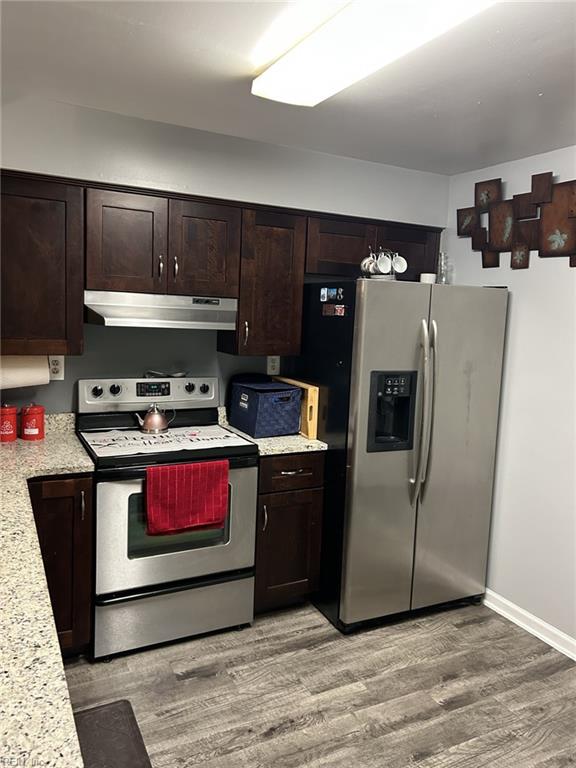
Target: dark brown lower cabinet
[63,514]
[288,544]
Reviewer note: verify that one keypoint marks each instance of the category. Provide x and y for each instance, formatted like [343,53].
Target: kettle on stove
[155,421]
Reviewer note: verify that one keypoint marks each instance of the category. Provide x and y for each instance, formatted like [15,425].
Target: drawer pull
[291,472]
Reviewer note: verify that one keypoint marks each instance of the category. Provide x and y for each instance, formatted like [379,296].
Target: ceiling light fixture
[359,40]
[290,26]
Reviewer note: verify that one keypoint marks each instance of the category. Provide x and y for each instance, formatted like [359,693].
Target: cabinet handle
[82,505]
[265,518]
[160,265]
[175,267]
[246,332]
[291,472]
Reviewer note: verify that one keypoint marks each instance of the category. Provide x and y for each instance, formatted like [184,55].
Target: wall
[61,139]
[128,353]
[532,554]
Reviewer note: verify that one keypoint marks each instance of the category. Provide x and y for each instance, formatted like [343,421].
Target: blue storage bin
[265,409]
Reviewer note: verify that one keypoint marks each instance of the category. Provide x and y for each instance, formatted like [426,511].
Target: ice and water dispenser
[391,410]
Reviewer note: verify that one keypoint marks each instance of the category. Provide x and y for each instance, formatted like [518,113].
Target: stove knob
[115,389]
[204,388]
[97,391]
[190,387]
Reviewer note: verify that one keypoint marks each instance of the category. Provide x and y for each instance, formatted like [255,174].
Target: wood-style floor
[460,688]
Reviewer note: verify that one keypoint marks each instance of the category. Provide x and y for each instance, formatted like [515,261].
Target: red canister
[8,423]
[32,421]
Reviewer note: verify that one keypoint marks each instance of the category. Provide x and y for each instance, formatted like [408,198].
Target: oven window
[142,545]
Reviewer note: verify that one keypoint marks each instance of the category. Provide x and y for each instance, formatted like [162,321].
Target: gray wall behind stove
[128,353]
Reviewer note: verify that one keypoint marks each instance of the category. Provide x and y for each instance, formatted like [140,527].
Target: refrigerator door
[467,328]
[380,516]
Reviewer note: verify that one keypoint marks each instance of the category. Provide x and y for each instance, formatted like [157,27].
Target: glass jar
[444,269]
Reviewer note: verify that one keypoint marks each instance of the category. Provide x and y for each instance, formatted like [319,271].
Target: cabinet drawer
[290,472]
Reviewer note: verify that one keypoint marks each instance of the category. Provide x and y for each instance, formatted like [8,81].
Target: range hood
[149,310]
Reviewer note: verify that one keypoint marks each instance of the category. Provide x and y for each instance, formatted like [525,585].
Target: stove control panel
[105,395]
[152,388]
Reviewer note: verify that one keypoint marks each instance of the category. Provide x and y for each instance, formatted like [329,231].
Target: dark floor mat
[110,738]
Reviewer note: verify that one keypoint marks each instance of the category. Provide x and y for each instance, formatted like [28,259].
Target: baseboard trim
[546,632]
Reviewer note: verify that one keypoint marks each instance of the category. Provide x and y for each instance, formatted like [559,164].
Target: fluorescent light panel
[293,24]
[358,41]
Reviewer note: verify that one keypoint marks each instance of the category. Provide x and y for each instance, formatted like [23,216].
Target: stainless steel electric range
[155,589]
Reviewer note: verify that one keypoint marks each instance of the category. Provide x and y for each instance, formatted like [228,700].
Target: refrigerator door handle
[428,440]
[416,481]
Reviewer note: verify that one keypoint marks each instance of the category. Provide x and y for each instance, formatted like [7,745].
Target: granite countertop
[271,446]
[37,726]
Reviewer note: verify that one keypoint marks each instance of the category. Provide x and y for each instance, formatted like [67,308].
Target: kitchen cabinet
[336,247]
[42,267]
[63,513]
[418,245]
[146,241]
[289,530]
[291,472]
[271,286]
[126,242]
[204,249]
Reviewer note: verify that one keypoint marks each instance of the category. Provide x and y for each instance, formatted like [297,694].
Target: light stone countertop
[36,722]
[272,446]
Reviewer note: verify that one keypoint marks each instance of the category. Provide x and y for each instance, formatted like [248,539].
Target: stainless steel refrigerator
[409,378]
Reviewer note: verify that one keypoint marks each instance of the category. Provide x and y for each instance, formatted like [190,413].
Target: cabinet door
[288,547]
[126,242]
[418,246]
[271,286]
[42,267]
[337,247]
[204,256]
[63,515]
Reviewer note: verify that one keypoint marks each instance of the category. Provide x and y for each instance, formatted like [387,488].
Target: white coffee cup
[428,277]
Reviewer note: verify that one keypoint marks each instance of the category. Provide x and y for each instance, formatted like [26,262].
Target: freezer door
[467,327]
[380,517]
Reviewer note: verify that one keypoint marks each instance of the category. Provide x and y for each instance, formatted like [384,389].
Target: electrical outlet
[273,365]
[56,365]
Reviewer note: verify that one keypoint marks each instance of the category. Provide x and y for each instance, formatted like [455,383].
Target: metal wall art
[542,220]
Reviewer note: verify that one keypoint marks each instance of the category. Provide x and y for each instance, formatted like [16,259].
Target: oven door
[127,558]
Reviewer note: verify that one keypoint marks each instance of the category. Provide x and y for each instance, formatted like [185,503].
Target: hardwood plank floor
[459,689]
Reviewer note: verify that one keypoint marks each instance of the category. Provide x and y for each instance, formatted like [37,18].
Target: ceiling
[499,87]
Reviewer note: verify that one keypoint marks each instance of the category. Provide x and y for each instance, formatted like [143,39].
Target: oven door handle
[139,472]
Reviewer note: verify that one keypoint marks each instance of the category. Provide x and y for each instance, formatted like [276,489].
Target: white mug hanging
[399,264]
[384,263]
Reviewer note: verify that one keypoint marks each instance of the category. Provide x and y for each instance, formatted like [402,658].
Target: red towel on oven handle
[184,496]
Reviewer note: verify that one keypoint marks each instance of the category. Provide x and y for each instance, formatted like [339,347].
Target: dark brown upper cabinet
[271,286]
[419,247]
[126,242]
[63,513]
[204,253]
[337,247]
[42,267]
